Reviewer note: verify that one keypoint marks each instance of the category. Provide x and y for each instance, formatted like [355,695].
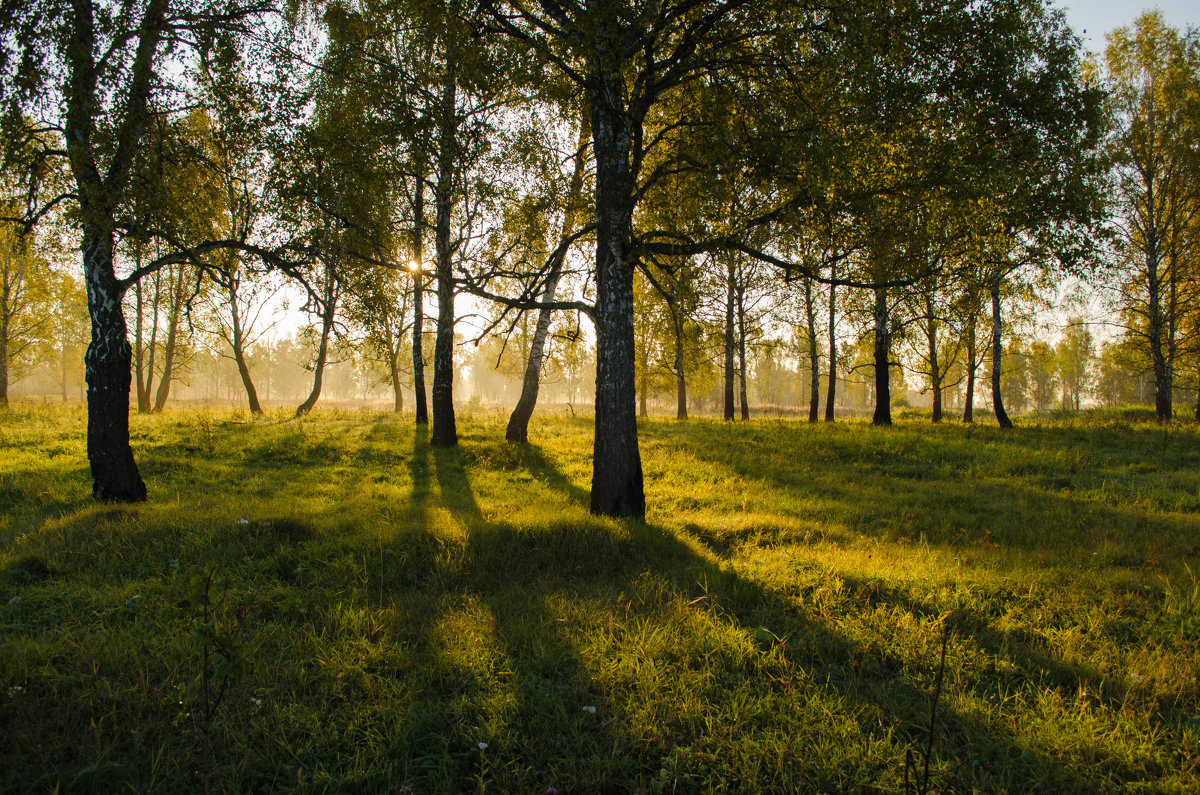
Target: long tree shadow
[528,577]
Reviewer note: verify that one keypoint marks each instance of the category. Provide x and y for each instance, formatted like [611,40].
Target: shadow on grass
[606,569]
[888,485]
[702,678]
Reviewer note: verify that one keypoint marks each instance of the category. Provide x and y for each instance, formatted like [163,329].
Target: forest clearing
[330,603]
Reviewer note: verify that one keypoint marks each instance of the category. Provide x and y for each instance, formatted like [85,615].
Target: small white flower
[590,710]
[243,521]
[13,601]
[12,691]
[255,702]
[1135,677]
[483,746]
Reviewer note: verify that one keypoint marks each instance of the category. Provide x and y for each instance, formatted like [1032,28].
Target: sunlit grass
[774,625]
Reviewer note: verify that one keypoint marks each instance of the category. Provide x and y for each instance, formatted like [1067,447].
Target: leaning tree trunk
[244,371]
[322,354]
[445,433]
[617,486]
[145,380]
[518,422]
[814,355]
[164,382]
[108,364]
[418,327]
[831,393]
[238,343]
[969,402]
[997,350]
[394,371]
[883,392]
[729,341]
[741,332]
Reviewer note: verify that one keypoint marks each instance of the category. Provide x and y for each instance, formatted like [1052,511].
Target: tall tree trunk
[831,393]
[935,372]
[729,339]
[681,412]
[741,332]
[617,486]
[643,365]
[969,401]
[4,364]
[140,381]
[997,351]
[108,363]
[814,355]
[445,433]
[883,392]
[418,327]
[518,422]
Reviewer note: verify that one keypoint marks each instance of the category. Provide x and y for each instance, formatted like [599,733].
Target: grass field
[374,614]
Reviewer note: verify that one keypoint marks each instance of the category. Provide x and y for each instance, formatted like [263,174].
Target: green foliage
[774,625]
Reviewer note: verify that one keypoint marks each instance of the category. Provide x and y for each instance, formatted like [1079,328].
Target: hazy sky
[1098,17]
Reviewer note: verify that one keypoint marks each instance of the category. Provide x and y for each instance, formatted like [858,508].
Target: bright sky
[1091,19]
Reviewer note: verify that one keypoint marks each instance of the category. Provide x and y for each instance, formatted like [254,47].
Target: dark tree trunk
[741,332]
[617,488]
[518,422]
[997,351]
[935,372]
[883,392]
[445,433]
[108,362]
[421,407]
[814,357]
[1154,331]
[831,393]
[729,341]
[1197,412]
[969,402]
